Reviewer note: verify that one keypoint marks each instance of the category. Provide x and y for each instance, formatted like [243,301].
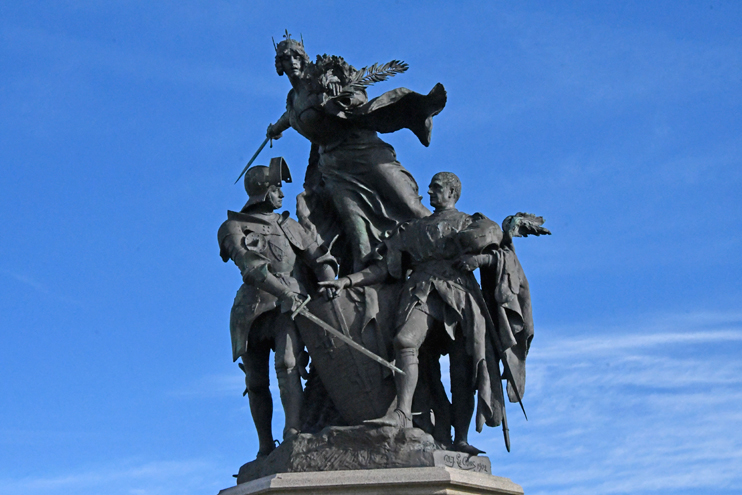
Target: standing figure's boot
[261,408]
[396,418]
[257,388]
[401,417]
[463,410]
[463,446]
[292,399]
[462,397]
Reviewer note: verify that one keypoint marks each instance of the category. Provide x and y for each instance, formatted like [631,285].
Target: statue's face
[275,197]
[441,195]
[292,64]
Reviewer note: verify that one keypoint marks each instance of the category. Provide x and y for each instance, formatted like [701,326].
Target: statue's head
[263,184]
[444,190]
[290,56]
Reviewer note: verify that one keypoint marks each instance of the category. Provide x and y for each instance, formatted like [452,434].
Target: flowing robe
[354,185]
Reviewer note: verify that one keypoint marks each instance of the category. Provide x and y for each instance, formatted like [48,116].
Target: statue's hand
[289,301]
[331,83]
[271,132]
[335,88]
[333,287]
[469,262]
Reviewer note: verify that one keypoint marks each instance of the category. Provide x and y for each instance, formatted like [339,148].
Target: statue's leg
[430,397]
[406,344]
[288,347]
[410,337]
[422,401]
[399,191]
[255,362]
[462,394]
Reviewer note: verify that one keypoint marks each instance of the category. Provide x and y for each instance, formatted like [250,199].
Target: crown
[287,42]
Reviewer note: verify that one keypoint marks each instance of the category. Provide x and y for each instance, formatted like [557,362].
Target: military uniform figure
[273,253]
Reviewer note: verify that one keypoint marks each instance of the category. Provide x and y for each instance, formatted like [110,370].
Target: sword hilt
[301,306]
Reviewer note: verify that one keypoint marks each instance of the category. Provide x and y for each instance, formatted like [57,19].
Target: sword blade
[252,160]
[352,343]
[505,429]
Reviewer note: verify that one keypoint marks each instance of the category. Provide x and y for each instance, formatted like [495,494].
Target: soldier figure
[439,290]
[273,253]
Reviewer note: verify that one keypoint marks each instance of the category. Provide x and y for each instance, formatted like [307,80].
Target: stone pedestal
[360,448]
[362,460]
[400,481]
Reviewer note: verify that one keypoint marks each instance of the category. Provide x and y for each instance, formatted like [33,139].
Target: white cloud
[39,287]
[225,385]
[633,410]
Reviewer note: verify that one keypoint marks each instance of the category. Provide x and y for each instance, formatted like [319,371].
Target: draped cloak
[508,298]
[354,185]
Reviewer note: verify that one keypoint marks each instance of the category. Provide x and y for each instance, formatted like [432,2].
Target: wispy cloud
[224,385]
[220,385]
[604,345]
[637,409]
[39,287]
[627,409]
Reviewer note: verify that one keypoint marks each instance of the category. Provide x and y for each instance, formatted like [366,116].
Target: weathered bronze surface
[381,270]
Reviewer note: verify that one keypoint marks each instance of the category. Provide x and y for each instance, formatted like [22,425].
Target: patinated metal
[369,288]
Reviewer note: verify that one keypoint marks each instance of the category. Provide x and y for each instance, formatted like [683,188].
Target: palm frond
[371,75]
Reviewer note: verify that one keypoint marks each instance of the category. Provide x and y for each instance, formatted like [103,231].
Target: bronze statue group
[368,258]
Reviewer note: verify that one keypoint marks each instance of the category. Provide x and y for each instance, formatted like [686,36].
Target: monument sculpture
[373,288]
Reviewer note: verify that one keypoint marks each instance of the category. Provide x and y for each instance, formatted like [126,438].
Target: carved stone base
[405,481]
[360,448]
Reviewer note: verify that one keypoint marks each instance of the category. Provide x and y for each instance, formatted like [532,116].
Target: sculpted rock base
[360,448]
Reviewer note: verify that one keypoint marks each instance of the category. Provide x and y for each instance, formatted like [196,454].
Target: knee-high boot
[289,384]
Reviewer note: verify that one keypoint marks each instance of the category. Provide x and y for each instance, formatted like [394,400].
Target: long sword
[252,159]
[302,310]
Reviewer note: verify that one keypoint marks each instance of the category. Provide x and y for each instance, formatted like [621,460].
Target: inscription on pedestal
[465,462]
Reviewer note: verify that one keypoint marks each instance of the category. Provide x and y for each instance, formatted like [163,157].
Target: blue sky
[124,124]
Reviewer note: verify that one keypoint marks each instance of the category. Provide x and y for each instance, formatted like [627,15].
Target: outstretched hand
[333,287]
